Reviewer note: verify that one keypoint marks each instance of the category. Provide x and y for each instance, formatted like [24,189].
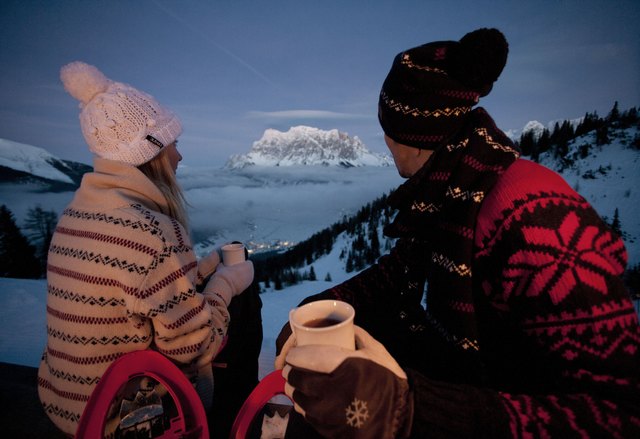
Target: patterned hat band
[420,127]
[431,89]
[414,111]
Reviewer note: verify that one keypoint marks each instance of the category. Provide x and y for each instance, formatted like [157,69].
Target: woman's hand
[208,264]
[231,281]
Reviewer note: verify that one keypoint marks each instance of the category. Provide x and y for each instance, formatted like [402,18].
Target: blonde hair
[160,172]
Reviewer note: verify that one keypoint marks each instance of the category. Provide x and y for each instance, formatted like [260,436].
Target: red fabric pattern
[555,261]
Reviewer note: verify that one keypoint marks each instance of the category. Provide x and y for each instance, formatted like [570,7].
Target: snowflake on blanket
[357,413]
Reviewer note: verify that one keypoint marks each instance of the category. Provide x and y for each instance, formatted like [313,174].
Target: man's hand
[289,338]
[344,393]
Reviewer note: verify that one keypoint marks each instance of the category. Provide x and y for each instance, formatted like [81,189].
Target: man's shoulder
[528,175]
[527,179]
[524,186]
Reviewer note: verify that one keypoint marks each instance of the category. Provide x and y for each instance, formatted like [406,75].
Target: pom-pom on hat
[431,88]
[118,121]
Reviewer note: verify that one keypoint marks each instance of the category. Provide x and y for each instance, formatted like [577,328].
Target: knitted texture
[442,211]
[121,277]
[430,89]
[336,412]
[118,121]
[556,350]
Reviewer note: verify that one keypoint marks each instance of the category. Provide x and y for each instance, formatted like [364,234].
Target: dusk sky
[231,69]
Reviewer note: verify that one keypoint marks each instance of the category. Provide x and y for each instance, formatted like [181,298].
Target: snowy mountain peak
[31,160]
[19,161]
[303,145]
[538,128]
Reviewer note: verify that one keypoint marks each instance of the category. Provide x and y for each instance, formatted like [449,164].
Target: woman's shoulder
[157,225]
[133,222]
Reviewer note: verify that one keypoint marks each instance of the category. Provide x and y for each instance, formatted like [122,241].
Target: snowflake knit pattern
[528,329]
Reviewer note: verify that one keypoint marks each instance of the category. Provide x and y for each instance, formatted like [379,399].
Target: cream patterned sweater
[121,277]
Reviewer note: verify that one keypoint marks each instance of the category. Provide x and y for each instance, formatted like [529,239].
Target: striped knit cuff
[226,300]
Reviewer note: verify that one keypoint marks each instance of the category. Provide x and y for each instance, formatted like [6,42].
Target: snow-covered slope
[304,145]
[267,206]
[20,162]
[537,128]
[285,204]
[31,160]
[608,176]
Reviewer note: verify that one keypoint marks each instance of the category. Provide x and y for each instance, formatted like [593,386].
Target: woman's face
[408,159]
[174,156]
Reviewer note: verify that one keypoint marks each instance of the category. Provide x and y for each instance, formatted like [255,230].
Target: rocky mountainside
[304,145]
[602,168]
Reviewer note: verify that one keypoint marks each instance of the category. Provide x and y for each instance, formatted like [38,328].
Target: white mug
[233,254]
[325,322]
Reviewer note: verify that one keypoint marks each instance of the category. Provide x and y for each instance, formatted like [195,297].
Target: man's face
[408,159]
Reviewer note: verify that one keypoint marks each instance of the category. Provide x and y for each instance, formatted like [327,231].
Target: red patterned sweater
[558,342]
[121,277]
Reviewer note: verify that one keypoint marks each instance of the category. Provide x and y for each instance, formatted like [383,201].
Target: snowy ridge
[608,178]
[606,175]
[32,160]
[303,145]
[538,128]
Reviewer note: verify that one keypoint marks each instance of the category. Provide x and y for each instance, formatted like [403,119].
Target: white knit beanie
[119,122]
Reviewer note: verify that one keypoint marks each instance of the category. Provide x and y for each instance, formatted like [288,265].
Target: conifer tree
[584,150]
[544,142]
[40,225]
[614,114]
[602,135]
[374,243]
[17,256]
[277,283]
[632,281]
[629,118]
[349,265]
[527,143]
[312,273]
[590,122]
[615,223]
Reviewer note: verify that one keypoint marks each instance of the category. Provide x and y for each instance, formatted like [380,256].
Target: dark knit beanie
[431,88]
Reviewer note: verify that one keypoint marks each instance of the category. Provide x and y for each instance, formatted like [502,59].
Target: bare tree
[39,226]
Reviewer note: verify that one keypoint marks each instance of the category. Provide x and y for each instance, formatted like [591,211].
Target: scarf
[438,206]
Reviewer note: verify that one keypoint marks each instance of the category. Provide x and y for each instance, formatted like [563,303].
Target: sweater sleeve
[387,295]
[371,292]
[188,326]
[561,333]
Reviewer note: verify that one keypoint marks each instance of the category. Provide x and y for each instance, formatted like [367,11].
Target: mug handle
[267,388]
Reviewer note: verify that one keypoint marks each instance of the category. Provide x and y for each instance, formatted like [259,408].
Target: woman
[121,272]
[528,330]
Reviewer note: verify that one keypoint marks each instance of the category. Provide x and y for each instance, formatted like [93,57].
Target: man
[528,329]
